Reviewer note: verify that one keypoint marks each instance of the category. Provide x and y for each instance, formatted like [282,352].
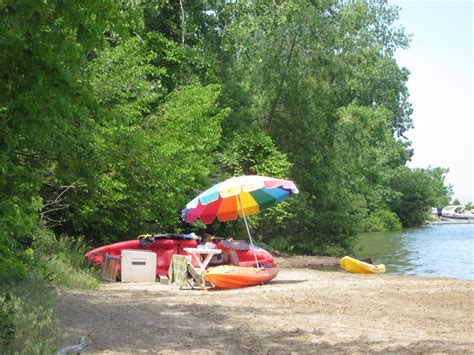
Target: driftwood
[82,346]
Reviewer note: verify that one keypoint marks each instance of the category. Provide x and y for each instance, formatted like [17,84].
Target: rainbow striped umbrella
[239,196]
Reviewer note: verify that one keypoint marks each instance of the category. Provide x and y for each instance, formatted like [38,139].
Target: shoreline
[307,262]
[450,221]
[302,310]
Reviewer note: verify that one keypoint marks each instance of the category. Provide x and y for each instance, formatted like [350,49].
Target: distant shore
[302,310]
[452,221]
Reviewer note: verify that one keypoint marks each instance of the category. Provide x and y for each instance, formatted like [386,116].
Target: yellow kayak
[359,267]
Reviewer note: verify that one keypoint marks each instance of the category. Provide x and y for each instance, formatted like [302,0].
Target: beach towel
[178,271]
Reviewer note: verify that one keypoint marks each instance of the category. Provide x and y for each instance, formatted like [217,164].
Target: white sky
[440,59]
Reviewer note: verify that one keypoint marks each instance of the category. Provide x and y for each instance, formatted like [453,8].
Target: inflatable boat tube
[227,276]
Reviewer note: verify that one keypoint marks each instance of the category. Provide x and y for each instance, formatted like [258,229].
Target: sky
[440,60]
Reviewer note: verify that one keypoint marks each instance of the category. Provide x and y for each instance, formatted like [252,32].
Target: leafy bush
[61,260]
[419,190]
[380,221]
[280,244]
[253,153]
[7,326]
[28,319]
[296,228]
[12,266]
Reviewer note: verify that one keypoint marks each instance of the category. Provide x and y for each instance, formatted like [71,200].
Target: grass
[62,262]
[65,275]
[29,322]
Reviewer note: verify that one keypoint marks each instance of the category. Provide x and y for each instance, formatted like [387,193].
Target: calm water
[436,250]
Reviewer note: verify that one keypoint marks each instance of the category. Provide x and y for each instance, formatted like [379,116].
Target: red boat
[166,245]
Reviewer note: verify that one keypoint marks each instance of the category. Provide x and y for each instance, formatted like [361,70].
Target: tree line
[114,114]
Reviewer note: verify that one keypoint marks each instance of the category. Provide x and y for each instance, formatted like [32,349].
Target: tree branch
[57,199]
[55,204]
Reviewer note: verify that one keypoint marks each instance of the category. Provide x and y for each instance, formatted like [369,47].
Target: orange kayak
[227,276]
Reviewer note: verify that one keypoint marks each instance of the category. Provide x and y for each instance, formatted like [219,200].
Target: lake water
[434,250]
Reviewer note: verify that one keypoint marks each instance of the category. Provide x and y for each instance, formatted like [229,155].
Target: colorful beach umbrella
[239,196]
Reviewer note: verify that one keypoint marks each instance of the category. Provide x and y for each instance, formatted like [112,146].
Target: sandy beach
[303,310]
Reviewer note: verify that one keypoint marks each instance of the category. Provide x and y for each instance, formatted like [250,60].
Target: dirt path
[302,310]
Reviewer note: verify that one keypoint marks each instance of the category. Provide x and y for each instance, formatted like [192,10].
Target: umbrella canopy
[239,196]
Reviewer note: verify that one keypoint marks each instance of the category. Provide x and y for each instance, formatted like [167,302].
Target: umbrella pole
[248,230]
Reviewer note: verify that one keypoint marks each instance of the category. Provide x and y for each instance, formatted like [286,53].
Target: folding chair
[109,268]
[184,274]
[197,278]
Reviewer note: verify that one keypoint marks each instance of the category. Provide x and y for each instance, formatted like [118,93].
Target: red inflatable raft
[227,276]
[166,245]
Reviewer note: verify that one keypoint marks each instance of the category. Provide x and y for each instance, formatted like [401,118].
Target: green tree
[288,69]
[48,115]
[150,165]
[419,190]
[253,154]
[366,153]
[113,116]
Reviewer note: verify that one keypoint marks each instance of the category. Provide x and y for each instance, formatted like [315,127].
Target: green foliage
[369,40]
[13,264]
[281,244]
[7,321]
[60,271]
[185,39]
[305,230]
[28,318]
[47,112]
[253,154]
[419,190]
[125,82]
[366,152]
[322,82]
[61,260]
[150,168]
[380,221]
[114,115]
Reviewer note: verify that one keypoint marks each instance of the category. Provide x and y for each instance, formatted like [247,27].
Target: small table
[197,252]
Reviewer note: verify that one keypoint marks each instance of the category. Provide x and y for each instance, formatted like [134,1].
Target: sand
[303,310]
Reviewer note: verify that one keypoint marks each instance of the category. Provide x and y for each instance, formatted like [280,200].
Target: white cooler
[138,266]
